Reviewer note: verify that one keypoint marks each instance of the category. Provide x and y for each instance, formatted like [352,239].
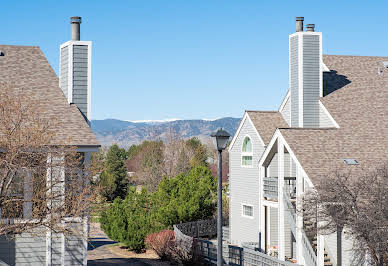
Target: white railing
[270,187]
[254,257]
[308,251]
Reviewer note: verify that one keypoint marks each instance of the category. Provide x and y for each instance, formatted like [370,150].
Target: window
[247,211]
[246,159]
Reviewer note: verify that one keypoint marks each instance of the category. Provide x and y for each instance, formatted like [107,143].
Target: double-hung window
[246,153]
[247,210]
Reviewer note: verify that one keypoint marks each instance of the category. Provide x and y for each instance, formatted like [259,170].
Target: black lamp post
[220,138]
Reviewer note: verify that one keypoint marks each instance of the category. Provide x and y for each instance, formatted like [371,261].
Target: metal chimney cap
[310,27]
[76,20]
[299,18]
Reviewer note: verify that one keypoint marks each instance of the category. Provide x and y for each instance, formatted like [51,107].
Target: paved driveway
[100,255]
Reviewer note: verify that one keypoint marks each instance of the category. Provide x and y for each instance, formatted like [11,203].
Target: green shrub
[183,198]
[128,221]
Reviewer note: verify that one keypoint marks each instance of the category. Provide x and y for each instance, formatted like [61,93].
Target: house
[335,110]
[68,97]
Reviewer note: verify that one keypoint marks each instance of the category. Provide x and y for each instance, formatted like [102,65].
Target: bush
[185,198]
[128,221]
[163,243]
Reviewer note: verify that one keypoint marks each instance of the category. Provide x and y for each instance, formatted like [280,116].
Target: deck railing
[270,187]
[308,251]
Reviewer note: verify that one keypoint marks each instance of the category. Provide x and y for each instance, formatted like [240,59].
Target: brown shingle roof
[26,67]
[266,123]
[359,104]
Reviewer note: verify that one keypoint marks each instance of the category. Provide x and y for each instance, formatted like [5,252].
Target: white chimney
[75,70]
[306,87]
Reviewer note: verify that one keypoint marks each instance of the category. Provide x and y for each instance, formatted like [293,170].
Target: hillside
[126,133]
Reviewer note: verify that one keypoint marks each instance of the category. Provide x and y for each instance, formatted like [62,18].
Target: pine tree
[114,178]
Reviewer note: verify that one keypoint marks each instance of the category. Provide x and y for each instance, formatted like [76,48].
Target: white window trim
[242,211]
[246,153]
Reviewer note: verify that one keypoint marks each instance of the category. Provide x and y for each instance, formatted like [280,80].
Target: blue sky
[158,59]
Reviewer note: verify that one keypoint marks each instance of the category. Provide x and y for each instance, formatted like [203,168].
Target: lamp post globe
[220,139]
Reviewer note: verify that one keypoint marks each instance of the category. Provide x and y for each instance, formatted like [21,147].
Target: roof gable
[358,104]
[26,67]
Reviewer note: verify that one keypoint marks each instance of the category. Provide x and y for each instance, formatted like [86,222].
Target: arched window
[246,153]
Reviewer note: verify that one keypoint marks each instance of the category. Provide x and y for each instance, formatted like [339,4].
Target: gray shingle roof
[359,104]
[26,67]
[266,123]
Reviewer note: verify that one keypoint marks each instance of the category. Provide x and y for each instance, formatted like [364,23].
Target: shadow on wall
[7,251]
[333,81]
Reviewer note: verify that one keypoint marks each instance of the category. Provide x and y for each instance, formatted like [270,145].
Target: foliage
[357,202]
[113,179]
[185,198]
[128,221]
[152,160]
[146,161]
[163,243]
[179,199]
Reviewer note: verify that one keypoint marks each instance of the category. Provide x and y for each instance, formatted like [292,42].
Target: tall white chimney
[306,86]
[75,70]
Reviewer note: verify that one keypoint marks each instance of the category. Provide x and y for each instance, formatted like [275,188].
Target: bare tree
[356,202]
[42,181]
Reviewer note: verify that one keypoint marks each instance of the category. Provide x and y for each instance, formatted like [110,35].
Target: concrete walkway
[100,255]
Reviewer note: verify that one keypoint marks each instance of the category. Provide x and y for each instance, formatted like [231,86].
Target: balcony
[271,187]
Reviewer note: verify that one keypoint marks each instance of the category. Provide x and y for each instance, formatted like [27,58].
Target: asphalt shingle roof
[26,67]
[266,123]
[356,95]
[359,103]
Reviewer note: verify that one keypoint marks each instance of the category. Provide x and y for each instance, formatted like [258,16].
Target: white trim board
[292,155]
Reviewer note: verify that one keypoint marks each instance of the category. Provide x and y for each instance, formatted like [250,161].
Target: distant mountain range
[126,133]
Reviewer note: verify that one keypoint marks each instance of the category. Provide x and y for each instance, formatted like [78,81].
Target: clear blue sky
[191,59]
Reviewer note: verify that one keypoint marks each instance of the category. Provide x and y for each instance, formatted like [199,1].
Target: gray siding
[273,221]
[289,166]
[289,170]
[324,120]
[294,80]
[75,250]
[56,249]
[347,249]
[311,80]
[80,77]
[244,188]
[64,70]
[286,112]
[24,249]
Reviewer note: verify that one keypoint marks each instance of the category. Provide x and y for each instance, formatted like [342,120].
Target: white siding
[324,120]
[286,111]
[347,249]
[244,187]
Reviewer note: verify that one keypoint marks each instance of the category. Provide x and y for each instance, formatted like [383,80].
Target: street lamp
[220,138]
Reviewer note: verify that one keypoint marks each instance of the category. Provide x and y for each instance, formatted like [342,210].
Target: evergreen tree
[114,177]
